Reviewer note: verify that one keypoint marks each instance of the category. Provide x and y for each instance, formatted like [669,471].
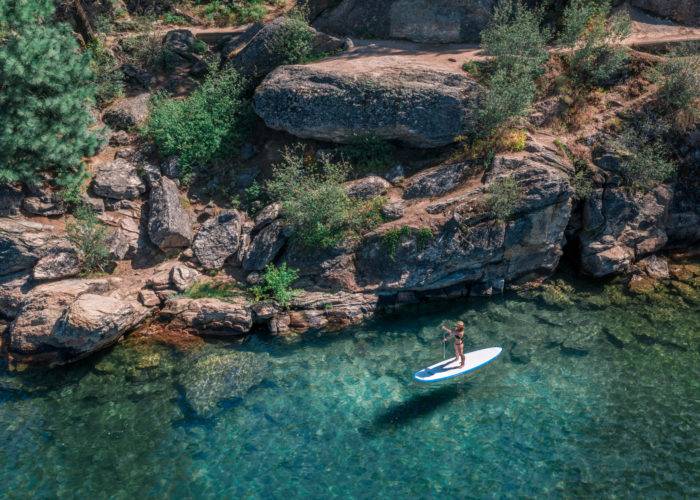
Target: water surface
[598,397]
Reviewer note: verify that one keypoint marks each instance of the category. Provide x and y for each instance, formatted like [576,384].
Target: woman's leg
[461,354]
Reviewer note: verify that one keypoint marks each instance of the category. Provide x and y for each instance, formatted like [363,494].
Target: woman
[458,334]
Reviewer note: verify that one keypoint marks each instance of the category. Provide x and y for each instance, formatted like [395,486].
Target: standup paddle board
[450,367]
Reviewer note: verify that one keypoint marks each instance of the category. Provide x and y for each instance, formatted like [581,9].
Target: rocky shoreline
[438,238]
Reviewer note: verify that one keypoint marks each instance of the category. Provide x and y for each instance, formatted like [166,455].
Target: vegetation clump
[393,238]
[368,154]
[517,44]
[502,198]
[276,283]
[46,91]
[315,203]
[293,41]
[678,79]
[213,120]
[89,236]
[108,81]
[593,35]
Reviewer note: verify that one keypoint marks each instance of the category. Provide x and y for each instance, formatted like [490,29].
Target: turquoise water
[600,397]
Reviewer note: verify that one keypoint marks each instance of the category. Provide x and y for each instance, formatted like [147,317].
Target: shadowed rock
[169,225]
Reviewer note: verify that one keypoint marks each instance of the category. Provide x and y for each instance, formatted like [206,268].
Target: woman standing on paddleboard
[458,334]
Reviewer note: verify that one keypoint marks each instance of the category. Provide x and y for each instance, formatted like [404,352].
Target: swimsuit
[459,339]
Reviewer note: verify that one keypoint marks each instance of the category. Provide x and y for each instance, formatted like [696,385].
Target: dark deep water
[599,397]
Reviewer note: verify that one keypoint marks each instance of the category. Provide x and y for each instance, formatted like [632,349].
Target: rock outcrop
[23,243]
[337,100]
[210,316]
[218,239]
[59,263]
[437,181]
[265,246]
[431,21]
[169,224]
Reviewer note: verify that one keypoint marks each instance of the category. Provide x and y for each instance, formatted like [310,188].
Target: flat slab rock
[119,180]
[337,100]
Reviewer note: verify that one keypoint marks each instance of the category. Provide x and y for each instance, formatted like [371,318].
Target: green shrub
[509,96]
[212,290]
[46,92]
[276,283]
[144,50]
[679,83]
[315,202]
[171,18]
[212,121]
[515,40]
[423,237]
[108,81]
[593,36]
[503,196]
[89,236]
[292,43]
[224,12]
[368,154]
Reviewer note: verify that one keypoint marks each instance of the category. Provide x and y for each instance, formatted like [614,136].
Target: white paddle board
[450,367]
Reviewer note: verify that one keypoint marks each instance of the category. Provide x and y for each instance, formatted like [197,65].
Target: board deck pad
[449,368]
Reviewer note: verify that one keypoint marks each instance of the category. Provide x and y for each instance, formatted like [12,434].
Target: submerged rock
[218,377]
[338,100]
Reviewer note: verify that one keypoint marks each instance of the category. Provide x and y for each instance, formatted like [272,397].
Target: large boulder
[336,100]
[118,180]
[682,11]
[23,242]
[265,246]
[367,187]
[40,332]
[169,224]
[218,239]
[620,227]
[210,316]
[266,50]
[432,21]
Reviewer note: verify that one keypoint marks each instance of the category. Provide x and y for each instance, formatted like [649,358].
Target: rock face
[119,180]
[10,200]
[218,239]
[432,21]
[264,52]
[13,288]
[468,251]
[23,242]
[621,227]
[336,101]
[682,11]
[127,113]
[169,225]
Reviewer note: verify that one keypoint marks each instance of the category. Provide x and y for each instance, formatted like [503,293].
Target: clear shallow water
[592,398]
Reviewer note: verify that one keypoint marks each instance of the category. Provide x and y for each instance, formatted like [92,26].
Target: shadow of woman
[416,407]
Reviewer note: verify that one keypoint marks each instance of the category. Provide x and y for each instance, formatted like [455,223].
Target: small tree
[45,94]
[517,43]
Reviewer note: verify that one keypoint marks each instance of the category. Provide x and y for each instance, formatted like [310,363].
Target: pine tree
[45,97]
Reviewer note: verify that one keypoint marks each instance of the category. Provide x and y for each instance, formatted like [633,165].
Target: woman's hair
[459,325]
